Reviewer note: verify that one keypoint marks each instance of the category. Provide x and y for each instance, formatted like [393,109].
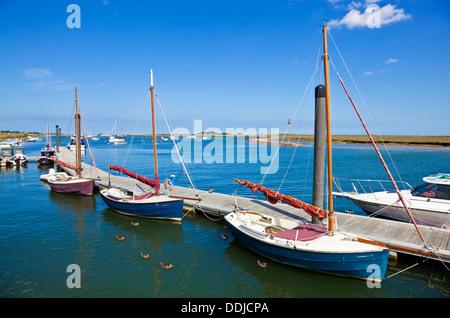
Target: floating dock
[398,236]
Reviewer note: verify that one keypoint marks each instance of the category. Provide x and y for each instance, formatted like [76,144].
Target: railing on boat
[359,186]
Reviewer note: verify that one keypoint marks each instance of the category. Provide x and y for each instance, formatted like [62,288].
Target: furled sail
[153,183]
[273,197]
[60,163]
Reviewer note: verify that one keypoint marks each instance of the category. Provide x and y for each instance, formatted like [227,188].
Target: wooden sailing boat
[302,244]
[148,205]
[65,183]
[48,151]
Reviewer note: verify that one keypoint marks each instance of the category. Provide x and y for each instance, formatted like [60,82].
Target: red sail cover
[153,183]
[273,197]
[60,163]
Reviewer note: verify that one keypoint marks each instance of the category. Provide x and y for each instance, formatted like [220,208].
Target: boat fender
[168,184]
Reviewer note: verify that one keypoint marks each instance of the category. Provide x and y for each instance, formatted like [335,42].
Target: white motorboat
[429,203]
[72,146]
[17,160]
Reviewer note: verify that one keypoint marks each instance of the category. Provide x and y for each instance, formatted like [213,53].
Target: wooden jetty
[398,236]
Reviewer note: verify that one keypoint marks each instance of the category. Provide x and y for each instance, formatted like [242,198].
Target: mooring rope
[405,269]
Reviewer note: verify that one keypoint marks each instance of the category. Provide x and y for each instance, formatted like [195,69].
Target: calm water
[42,232]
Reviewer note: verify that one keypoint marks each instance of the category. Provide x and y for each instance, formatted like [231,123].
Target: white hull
[426,211]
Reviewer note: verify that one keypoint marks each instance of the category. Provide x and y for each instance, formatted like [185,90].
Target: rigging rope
[144,102]
[365,105]
[381,157]
[293,117]
[176,147]
[87,142]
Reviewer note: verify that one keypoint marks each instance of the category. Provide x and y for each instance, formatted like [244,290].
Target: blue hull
[172,210]
[47,153]
[357,265]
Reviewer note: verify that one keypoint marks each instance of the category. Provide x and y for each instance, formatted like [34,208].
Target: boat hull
[398,213]
[167,210]
[79,186]
[351,264]
[45,160]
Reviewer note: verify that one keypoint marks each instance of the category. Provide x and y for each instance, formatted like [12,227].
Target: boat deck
[394,234]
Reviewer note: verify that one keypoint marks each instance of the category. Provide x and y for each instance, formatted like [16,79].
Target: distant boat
[65,183]
[33,139]
[148,205]
[48,150]
[17,160]
[429,203]
[46,160]
[72,145]
[117,141]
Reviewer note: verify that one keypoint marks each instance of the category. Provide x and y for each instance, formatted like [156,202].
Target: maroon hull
[73,186]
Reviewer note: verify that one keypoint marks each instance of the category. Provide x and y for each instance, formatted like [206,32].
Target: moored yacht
[429,203]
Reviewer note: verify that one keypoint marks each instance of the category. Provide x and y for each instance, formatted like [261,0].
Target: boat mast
[327,90]
[49,139]
[77,131]
[153,124]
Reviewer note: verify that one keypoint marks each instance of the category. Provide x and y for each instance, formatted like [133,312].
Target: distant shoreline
[390,140]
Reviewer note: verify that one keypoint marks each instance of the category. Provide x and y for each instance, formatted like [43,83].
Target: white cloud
[372,14]
[391,60]
[42,79]
[38,73]
[369,73]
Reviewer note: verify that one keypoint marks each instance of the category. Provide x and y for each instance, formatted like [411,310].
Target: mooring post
[319,150]
[57,138]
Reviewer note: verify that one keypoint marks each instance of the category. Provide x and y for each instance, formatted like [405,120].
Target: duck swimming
[144,255]
[166,266]
[120,238]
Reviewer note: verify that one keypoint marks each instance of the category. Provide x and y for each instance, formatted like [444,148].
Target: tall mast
[153,124]
[327,90]
[49,139]
[77,131]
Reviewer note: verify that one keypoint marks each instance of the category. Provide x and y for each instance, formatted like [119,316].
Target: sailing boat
[73,184]
[303,244]
[48,151]
[151,204]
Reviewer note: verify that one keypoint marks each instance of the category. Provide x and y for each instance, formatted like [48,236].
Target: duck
[166,266]
[224,237]
[135,223]
[144,255]
[120,238]
[262,264]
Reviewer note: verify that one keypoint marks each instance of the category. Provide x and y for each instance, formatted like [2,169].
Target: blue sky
[228,63]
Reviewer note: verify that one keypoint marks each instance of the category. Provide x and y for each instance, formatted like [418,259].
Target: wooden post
[77,130]
[319,150]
